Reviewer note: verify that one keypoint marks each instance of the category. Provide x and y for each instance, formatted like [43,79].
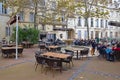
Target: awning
[54,23]
[62,29]
[114,23]
[12,20]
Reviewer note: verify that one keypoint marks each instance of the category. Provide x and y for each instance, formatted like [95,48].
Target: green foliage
[26,34]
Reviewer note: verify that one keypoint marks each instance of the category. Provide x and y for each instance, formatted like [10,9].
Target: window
[79,21]
[21,14]
[106,24]
[2,9]
[106,34]
[101,35]
[97,23]
[111,34]
[31,17]
[53,5]
[116,34]
[7,31]
[101,23]
[61,36]
[91,34]
[43,27]
[79,34]
[96,33]
[91,22]
[63,19]
[42,2]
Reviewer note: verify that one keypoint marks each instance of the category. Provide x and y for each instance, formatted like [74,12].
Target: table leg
[77,54]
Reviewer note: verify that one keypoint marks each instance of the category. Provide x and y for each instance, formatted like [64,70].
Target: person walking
[93,47]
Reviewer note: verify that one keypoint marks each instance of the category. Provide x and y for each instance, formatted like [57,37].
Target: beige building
[3,26]
[98,27]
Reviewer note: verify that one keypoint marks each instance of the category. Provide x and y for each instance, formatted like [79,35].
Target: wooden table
[8,45]
[53,48]
[56,55]
[10,50]
[75,49]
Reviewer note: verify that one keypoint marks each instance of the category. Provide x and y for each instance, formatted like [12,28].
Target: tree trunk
[35,16]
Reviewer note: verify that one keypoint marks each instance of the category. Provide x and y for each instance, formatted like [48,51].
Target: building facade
[98,27]
[76,27]
[3,22]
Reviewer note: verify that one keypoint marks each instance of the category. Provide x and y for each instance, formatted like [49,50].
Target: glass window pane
[31,17]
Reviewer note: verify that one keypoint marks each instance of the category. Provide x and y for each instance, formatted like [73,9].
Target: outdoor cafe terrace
[58,63]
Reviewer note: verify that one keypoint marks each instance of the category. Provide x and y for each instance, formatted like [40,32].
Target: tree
[84,8]
[91,8]
[26,34]
[42,10]
[65,9]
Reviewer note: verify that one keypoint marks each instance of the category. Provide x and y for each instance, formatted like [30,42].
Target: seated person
[115,48]
[109,54]
[118,44]
[76,42]
[4,41]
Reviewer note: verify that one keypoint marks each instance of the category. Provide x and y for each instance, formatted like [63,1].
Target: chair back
[20,50]
[69,52]
[84,52]
[40,59]
[54,62]
[37,53]
[5,51]
[59,49]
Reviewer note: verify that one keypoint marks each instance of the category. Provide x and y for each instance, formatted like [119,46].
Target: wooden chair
[38,53]
[20,52]
[84,53]
[117,55]
[42,47]
[40,61]
[58,49]
[6,53]
[53,64]
[69,60]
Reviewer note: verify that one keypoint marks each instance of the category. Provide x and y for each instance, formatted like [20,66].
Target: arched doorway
[97,34]
[71,34]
